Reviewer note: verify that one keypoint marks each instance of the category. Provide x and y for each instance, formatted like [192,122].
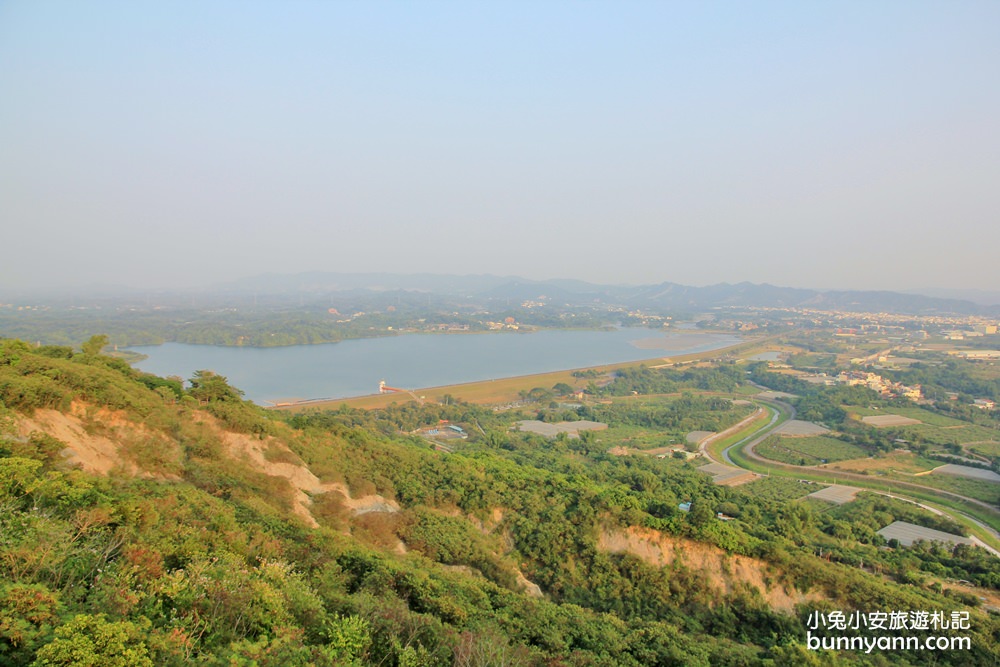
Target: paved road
[703,445]
[749,452]
[760,436]
[751,441]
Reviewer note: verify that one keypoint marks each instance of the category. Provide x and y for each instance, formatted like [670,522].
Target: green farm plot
[813,360]
[985,448]
[974,433]
[808,451]
[910,467]
[651,422]
[936,429]
[988,492]
[638,437]
[779,488]
[905,463]
[942,435]
[926,416]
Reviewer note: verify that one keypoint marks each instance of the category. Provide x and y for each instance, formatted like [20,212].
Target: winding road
[783,412]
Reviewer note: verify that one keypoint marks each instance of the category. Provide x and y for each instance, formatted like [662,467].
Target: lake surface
[355,367]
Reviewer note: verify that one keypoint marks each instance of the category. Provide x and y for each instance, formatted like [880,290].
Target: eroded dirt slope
[98,441]
[724,572]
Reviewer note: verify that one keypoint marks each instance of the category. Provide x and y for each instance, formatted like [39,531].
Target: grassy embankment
[715,449]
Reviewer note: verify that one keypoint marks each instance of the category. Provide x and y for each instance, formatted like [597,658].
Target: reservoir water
[355,367]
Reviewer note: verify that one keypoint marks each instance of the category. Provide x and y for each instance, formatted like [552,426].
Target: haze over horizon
[847,146]
[240,284]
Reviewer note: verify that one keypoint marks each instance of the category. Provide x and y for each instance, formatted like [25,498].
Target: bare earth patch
[695,437]
[724,475]
[967,471]
[776,394]
[251,450]
[885,421]
[723,571]
[530,588]
[94,452]
[799,427]
[101,451]
[836,494]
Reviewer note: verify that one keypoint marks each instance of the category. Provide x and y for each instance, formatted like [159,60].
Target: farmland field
[656,421]
[898,461]
[809,450]
[961,435]
[988,492]
[936,429]
[985,448]
[639,437]
[837,494]
[779,488]
[926,416]
[904,466]
[889,420]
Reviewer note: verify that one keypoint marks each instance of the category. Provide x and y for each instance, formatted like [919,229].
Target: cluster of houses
[878,383]
[508,323]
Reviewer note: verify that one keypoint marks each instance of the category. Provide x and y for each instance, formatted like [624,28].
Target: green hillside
[146,522]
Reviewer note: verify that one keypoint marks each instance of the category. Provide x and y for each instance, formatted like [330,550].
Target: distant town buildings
[880,384]
[532,303]
[508,323]
[976,354]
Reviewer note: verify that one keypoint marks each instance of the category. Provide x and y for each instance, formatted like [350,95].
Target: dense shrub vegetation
[204,562]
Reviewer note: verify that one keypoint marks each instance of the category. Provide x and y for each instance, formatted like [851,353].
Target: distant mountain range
[664,296]
[981,296]
[365,289]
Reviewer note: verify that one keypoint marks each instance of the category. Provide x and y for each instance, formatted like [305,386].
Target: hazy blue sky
[810,144]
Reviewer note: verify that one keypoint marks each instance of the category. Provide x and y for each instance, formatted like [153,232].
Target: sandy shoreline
[503,390]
